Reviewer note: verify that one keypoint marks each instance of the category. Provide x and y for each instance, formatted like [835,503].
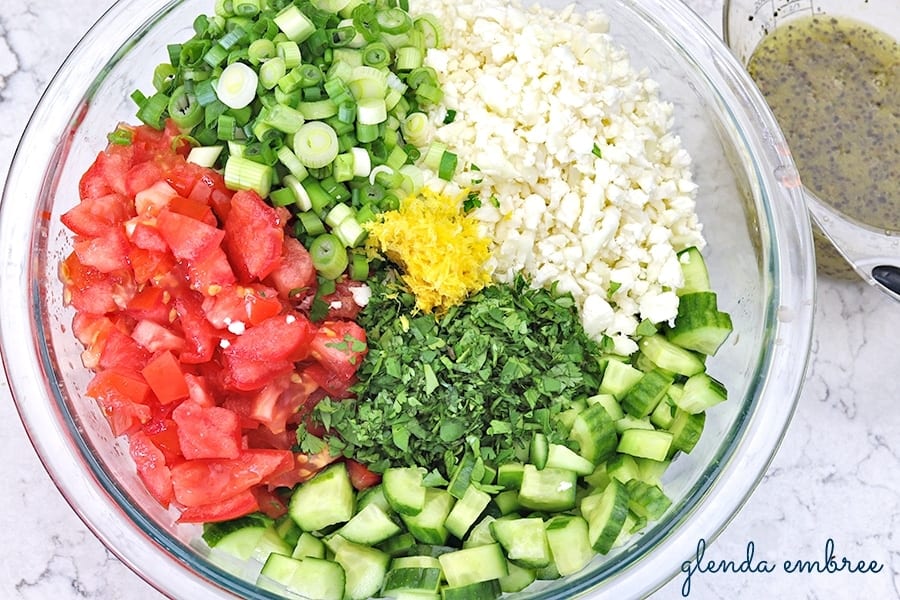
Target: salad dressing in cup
[829,72]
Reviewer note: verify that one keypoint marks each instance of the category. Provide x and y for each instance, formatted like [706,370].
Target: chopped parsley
[485,375]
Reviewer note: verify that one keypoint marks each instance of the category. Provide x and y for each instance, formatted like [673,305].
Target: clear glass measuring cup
[872,249]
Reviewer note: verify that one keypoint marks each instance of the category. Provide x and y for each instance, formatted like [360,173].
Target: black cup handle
[888,276]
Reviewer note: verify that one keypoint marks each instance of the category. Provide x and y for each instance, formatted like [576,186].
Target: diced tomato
[270,503]
[360,476]
[164,376]
[207,431]
[146,236]
[120,350]
[247,374]
[211,273]
[106,253]
[180,174]
[156,338]
[210,189]
[142,176]
[163,432]
[151,467]
[150,201]
[150,303]
[188,238]
[250,304]
[332,384]
[254,234]
[200,337]
[239,505]
[94,215]
[282,337]
[205,481]
[340,347]
[109,173]
[194,210]
[278,401]
[198,390]
[90,291]
[122,396]
[294,273]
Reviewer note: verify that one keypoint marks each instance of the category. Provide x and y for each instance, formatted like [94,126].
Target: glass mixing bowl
[759,254]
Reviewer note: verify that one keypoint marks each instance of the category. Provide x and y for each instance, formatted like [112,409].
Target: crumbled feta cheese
[290,319]
[223,344]
[361,294]
[235,327]
[592,190]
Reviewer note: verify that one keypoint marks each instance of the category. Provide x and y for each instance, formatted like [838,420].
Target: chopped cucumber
[404,490]
[644,396]
[523,540]
[670,357]
[605,513]
[466,511]
[646,443]
[595,433]
[483,590]
[324,500]
[537,452]
[551,489]
[701,392]
[618,377]
[364,569]
[700,326]
[517,578]
[569,543]
[480,535]
[471,565]
[428,526]
[411,579]
[509,475]
[646,500]
[686,429]
[308,545]
[693,267]
[370,525]
[561,457]
[609,402]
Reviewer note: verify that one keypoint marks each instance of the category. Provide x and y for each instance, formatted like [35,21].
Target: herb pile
[484,376]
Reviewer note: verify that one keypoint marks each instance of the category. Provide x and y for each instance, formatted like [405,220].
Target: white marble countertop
[836,476]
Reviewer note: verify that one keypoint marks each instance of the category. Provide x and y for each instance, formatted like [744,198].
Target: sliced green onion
[334,188]
[350,232]
[342,36]
[226,128]
[365,214]
[393,20]
[284,118]
[416,128]
[408,58]
[184,109]
[205,92]
[371,111]
[236,87]
[295,25]
[163,76]
[365,21]
[376,54]
[311,223]
[433,155]
[347,111]
[289,52]
[246,8]
[396,158]
[358,41]
[447,167]
[343,167]
[121,136]
[367,82]
[362,163]
[450,116]
[205,156]
[215,56]
[329,255]
[415,176]
[245,174]
[153,109]
[431,29]
[337,214]
[351,57]
[292,163]
[367,132]
[261,50]
[359,267]
[302,199]
[236,148]
[332,6]
[271,72]
[315,144]
[317,109]
[282,197]
[428,93]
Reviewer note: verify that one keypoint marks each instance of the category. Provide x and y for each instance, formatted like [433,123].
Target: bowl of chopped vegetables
[356,299]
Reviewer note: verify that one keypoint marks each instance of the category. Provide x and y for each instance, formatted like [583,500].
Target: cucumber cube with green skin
[618,378]
[517,579]
[483,590]
[549,490]
[686,430]
[569,543]
[509,475]
[693,267]
[595,433]
[524,540]
[701,392]
[319,579]
[404,490]
[308,545]
[561,457]
[411,580]
[646,443]
[646,500]
[671,357]
[326,499]
[370,526]
[471,565]
[364,569]
[466,511]
[646,394]
[605,513]
[700,325]
[429,525]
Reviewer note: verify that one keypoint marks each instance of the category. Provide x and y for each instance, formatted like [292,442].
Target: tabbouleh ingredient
[486,374]
[438,247]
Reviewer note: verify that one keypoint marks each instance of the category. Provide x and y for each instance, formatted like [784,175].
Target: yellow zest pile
[437,246]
